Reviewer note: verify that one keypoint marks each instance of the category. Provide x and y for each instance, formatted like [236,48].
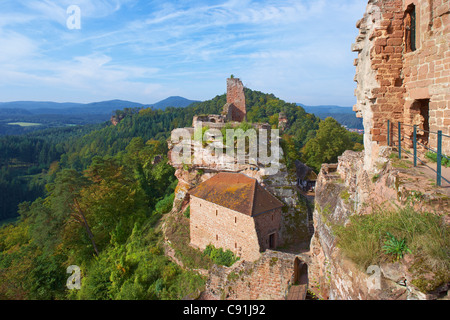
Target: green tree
[330,142]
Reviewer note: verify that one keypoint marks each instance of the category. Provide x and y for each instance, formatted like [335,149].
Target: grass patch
[433,157]
[400,164]
[345,195]
[425,235]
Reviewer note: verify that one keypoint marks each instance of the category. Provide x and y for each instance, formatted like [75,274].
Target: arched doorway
[300,272]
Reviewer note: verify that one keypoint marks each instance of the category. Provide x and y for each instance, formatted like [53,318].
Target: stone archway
[300,272]
[298,289]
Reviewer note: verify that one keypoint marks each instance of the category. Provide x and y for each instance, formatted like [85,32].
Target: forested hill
[158,124]
[101,196]
[25,160]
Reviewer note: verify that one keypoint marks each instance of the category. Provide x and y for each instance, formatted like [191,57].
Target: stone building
[234,109]
[283,121]
[232,211]
[403,71]
[306,177]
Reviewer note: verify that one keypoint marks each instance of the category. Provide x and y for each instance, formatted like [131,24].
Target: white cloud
[293,47]
[15,47]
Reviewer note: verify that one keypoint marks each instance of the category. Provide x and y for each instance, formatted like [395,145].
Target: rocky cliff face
[390,78]
[366,76]
[347,189]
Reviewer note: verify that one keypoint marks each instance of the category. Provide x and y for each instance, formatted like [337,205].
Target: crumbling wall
[379,65]
[393,80]
[265,279]
[427,69]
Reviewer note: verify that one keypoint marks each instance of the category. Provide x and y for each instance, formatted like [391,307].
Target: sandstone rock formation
[402,75]
[346,189]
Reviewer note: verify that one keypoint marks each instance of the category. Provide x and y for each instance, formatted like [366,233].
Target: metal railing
[390,140]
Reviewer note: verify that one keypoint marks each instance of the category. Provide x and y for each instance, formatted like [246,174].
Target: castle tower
[235,108]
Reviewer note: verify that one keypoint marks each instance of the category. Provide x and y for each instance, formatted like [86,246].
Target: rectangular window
[410,28]
[413,29]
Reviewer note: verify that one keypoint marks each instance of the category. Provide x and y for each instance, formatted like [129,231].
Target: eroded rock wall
[346,189]
[268,278]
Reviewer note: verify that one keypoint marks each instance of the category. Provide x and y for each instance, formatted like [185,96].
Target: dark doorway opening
[300,272]
[421,113]
[272,243]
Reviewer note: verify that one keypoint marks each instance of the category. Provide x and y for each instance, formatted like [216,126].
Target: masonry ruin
[234,109]
[232,211]
[233,112]
[402,75]
[403,71]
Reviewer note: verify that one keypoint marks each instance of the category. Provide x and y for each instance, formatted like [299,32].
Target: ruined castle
[403,71]
[402,75]
[232,211]
[246,208]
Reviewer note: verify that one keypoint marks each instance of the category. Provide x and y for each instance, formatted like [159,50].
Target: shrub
[219,256]
[165,205]
[187,212]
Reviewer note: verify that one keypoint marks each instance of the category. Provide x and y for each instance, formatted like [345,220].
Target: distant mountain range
[17,115]
[66,108]
[344,115]
[326,109]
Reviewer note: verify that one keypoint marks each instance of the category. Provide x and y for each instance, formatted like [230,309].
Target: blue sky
[145,51]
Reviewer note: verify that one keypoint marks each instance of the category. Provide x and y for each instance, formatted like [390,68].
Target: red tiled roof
[237,192]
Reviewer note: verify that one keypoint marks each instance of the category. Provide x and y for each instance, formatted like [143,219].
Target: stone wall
[427,70]
[268,278]
[392,80]
[228,229]
[294,224]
